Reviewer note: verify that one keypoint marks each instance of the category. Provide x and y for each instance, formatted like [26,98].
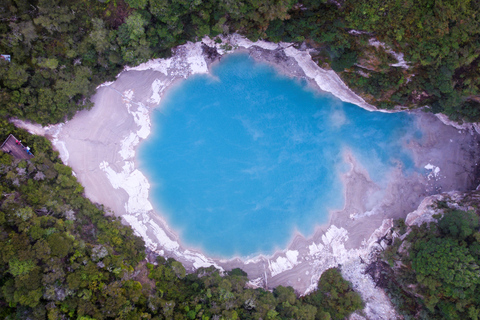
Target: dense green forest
[433,271]
[61,49]
[61,257]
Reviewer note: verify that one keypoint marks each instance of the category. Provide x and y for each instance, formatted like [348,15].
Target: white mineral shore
[100,145]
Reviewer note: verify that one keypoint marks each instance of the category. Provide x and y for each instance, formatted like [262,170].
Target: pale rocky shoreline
[100,147]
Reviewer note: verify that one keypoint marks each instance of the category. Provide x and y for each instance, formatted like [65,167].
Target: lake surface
[241,159]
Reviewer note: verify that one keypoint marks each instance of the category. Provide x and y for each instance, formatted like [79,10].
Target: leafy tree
[459,224]
[335,297]
[60,245]
[15,76]
[18,268]
[344,61]
[137,4]
[445,268]
[136,25]
[99,35]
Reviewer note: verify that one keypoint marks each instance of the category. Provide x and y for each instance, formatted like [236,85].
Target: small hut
[15,147]
[6,57]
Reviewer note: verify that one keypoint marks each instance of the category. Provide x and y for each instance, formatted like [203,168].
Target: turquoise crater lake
[241,159]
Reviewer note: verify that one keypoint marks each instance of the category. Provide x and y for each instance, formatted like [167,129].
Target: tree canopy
[438,269]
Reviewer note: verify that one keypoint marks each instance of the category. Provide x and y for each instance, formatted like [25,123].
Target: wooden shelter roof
[15,147]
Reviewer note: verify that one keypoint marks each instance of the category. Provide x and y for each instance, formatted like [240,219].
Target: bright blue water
[240,160]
